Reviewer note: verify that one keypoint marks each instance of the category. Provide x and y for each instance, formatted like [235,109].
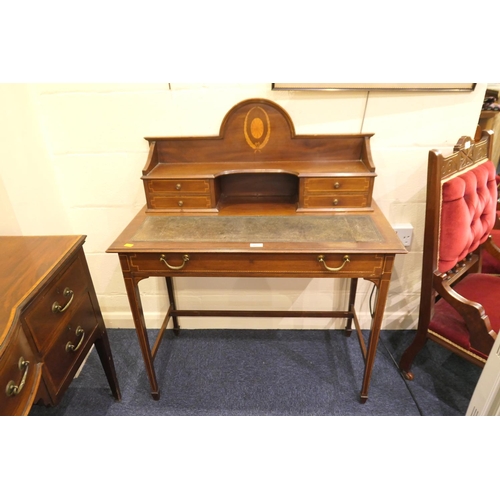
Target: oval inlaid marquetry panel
[257,128]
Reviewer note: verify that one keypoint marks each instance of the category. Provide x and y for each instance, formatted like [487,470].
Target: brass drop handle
[185,258]
[12,389]
[79,332]
[58,308]
[321,258]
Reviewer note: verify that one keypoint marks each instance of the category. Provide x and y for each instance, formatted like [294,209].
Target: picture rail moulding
[416,87]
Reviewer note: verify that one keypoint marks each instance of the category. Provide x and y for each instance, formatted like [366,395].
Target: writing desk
[258,201]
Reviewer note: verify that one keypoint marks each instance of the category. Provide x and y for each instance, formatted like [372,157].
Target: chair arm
[478,323]
[491,247]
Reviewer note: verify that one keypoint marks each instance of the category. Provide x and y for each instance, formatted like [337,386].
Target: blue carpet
[270,372]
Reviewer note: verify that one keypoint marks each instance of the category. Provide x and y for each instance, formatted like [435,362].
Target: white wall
[71,157]
[30,198]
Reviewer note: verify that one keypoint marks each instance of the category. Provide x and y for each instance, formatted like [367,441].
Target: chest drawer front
[194,186]
[328,184]
[180,202]
[306,265]
[71,343]
[337,201]
[56,304]
[19,376]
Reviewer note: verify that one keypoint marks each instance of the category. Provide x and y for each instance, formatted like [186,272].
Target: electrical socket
[405,233]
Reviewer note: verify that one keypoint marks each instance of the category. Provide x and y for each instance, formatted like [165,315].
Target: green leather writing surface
[336,228]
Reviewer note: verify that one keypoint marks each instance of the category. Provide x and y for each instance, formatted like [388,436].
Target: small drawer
[71,343]
[56,304]
[180,202]
[340,201]
[328,184]
[194,186]
[20,376]
[259,264]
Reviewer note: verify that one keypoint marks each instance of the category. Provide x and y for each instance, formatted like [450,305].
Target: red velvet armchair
[459,304]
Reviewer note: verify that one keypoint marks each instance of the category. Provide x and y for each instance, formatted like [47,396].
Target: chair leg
[411,352]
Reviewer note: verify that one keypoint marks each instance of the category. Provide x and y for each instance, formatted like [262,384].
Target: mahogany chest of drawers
[49,320]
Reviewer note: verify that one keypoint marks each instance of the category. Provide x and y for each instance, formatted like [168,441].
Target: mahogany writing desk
[259,201]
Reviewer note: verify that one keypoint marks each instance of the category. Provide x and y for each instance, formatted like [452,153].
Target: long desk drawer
[258,264]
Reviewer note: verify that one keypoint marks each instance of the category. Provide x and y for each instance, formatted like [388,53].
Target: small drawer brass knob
[336,185]
[178,187]
[181,203]
[335,201]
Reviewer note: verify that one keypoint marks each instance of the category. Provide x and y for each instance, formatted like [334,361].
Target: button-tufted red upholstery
[468,214]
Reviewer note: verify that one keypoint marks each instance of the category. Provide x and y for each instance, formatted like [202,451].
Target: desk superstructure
[259,201]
